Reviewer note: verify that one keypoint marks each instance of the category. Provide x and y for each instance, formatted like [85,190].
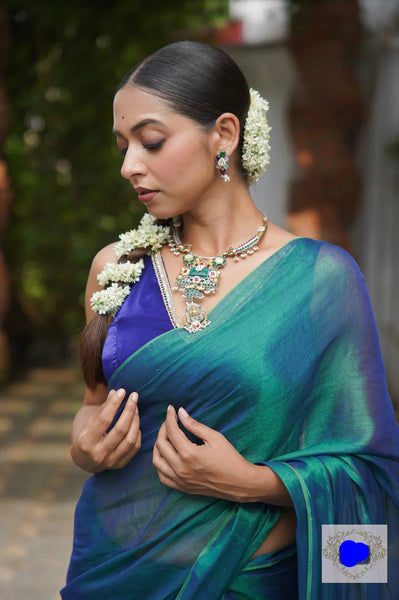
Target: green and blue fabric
[290,371]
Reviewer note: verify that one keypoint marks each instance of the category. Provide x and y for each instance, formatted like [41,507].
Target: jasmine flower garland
[256,147]
[148,235]
[109,301]
[127,272]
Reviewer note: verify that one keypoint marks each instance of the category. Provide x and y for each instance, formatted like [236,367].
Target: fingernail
[134,396]
[169,407]
[120,393]
[183,412]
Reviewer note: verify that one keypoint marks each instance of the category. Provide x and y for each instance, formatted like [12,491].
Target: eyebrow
[139,125]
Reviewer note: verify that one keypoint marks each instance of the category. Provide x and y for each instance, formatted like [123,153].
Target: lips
[145,194]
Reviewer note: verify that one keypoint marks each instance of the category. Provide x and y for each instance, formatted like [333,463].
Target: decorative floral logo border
[375,544]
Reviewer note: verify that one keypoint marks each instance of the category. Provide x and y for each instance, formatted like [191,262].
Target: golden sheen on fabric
[290,371]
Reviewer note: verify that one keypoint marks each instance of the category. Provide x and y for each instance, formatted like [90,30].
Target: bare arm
[93,449]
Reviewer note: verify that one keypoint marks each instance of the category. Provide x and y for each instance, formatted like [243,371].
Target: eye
[153,147]
[122,151]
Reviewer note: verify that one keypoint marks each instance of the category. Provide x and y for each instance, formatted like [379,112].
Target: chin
[159,213]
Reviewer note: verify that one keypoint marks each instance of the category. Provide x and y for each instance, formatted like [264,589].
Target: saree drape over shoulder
[290,371]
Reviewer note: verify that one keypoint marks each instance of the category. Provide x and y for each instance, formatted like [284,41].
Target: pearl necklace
[200,275]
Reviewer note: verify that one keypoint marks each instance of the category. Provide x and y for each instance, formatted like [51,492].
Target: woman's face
[168,158]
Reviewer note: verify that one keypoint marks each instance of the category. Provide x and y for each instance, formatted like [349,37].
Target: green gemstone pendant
[200,275]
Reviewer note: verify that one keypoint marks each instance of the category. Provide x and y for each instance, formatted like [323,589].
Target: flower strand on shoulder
[256,146]
[109,301]
[148,235]
[127,272]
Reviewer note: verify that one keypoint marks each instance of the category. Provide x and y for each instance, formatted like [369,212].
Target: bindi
[123,117]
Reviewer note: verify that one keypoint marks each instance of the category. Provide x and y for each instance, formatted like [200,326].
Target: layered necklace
[200,275]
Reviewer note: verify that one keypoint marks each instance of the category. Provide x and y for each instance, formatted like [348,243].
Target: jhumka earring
[222,164]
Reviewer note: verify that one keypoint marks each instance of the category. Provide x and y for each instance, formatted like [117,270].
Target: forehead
[133,103]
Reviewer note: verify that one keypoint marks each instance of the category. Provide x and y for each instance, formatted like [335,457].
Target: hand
[212,469]
[112,450]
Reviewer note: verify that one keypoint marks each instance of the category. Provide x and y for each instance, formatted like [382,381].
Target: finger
[169,482]
[131,443]
[131,436]
[98,424]
[169,478]
[173,432]
[128,447]
[162,435]
[201,431]
[163,446]
[107,410]
[122,426]
[124,453]
[165,453]
[161,464]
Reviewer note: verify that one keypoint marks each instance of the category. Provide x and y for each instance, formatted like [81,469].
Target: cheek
[187,159]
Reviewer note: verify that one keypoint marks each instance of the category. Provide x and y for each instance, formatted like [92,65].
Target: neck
[227,222]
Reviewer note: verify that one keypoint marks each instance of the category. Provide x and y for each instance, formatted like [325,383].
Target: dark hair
[200,82]
[196,80]
[94,334]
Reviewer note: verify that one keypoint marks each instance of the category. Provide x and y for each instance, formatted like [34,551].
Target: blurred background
[330,70]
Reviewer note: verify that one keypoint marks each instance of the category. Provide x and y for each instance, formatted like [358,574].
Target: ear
[227,133]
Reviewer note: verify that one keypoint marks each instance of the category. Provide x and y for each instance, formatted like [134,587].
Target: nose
[132,165]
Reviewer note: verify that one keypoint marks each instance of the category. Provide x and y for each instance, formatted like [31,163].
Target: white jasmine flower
[147,235]
[109,301]
[127,272]
[256,147]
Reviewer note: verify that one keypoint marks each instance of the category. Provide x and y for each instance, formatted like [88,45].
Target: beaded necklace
[200,275]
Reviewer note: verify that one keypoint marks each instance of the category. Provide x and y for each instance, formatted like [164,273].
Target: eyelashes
[153,147]
[150,147]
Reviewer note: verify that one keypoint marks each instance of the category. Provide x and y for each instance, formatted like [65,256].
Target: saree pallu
[290,371]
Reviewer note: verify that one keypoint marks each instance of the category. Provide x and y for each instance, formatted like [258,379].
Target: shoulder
[325,267]
[327,258]
[333,262]
[104,256]
[317,258]
[337,286]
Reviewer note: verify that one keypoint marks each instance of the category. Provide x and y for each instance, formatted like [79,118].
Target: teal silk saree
[290,371]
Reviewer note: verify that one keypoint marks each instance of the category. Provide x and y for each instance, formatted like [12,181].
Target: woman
[237,400]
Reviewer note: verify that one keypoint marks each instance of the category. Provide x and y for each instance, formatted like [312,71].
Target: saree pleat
[290,371]
[268,577]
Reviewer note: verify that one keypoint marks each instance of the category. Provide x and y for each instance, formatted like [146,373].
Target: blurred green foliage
[69,200]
